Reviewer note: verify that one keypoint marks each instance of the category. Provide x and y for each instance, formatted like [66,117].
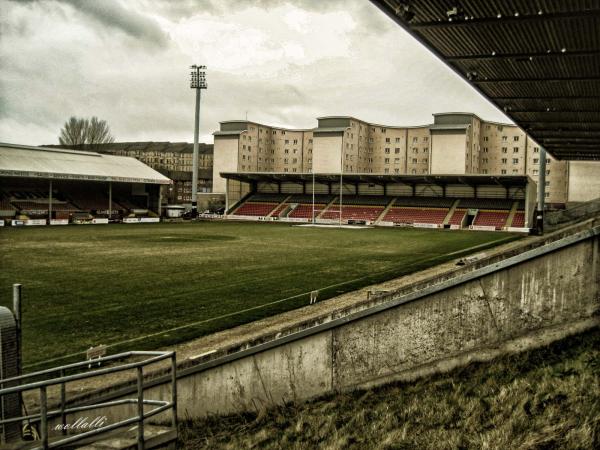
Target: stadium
[334,304]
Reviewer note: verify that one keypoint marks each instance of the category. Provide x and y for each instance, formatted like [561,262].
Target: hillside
[541,399]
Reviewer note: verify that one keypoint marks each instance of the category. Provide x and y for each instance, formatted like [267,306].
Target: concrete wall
[448,153]
[584,181]
[327,155]
[226,154]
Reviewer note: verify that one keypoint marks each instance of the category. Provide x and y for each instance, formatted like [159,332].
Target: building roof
[55,163]
[449,126]
[144,146]
[538,62]
[440,180]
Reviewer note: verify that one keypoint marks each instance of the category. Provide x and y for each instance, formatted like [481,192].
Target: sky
[281,63]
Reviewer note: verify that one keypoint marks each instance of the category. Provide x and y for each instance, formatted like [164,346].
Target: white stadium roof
[56,163]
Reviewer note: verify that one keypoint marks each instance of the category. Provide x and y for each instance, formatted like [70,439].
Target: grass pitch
[117,284]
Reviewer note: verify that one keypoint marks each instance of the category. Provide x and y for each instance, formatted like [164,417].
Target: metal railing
[45,414]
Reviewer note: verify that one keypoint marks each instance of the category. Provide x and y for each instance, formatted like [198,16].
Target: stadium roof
[54,163]
[440,180]
[538,61]
[144,146]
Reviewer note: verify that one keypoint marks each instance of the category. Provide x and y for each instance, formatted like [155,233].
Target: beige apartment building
[455,143]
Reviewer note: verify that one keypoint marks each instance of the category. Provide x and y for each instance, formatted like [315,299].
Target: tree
[78,131]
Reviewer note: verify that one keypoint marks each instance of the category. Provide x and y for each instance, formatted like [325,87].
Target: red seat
[255,209]
[457,217]
[519,219]
[416,215]
[367,213]
[491,218]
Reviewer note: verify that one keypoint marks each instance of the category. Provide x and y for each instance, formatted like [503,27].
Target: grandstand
[478,202]
[41,186]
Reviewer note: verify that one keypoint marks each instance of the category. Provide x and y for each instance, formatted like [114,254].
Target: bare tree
[78,131]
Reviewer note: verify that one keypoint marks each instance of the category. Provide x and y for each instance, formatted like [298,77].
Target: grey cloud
[111,14]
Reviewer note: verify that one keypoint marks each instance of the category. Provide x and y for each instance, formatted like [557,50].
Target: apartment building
[455,143]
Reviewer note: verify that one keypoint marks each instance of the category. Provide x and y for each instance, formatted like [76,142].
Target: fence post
[174,388]
[140,407]
[44,417]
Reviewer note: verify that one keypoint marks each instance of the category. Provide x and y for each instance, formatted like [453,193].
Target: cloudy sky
[280,62]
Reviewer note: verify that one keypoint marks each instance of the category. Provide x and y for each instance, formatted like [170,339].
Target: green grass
[90,285]
[542,399]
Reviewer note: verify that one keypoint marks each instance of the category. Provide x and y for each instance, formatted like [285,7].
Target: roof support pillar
[385,189]
[539,213]
[109,199]
[49,202]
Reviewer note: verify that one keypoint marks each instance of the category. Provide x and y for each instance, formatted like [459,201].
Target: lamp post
[198,82]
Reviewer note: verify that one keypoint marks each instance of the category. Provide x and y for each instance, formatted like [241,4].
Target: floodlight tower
[198,82]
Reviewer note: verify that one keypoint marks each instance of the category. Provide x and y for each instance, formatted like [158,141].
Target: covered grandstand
[41,186]
[479,202]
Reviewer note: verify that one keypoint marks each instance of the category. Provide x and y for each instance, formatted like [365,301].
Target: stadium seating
[491,218]
[308,198]
[5,205]
[519,219]
[305,211]
[457,217]
[416,215]
[279,210]
[255,209]
[350,212]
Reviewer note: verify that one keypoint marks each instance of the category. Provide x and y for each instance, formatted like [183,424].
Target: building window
[310,141]
[387,150]
[515,160]
[415,140]
[396,150]
[536,149]
[414,160]
[397,140]
[387,140]
[503,171]
[414,171]
[287,141]
[387,160]
[504,160]
[504,149]
[504,138]
[516,138]
[536,160]
[515,149]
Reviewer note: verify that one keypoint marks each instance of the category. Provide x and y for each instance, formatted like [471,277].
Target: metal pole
[195,155]
[174,388]
[341,179]
[539,214]
[140,408]
[313,197]
[43,417]
[63,400]
[17,311]
[50,203]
